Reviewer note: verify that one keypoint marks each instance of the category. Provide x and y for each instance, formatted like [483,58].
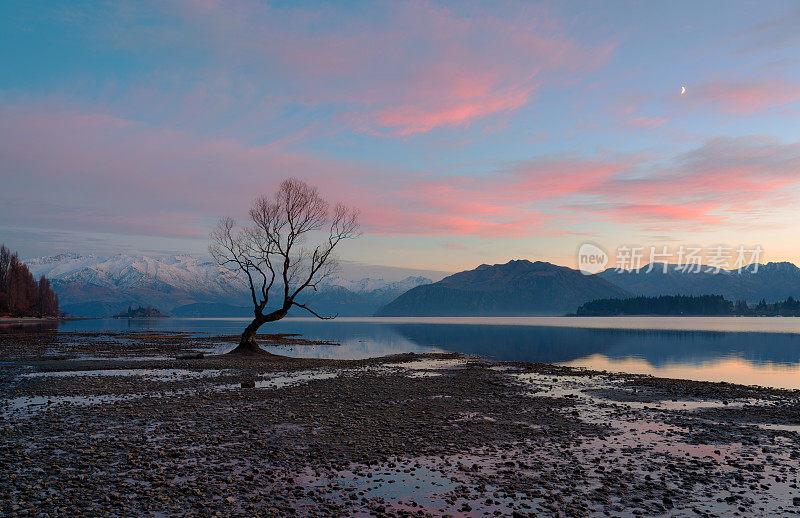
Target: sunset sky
[465,132]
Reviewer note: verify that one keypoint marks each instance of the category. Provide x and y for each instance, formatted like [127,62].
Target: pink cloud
[400,68]
[97,172]
[628,111]
[666,216]
[397,221]
[647,122]
[410,119]
[745,98]
[727,181]
[509,202]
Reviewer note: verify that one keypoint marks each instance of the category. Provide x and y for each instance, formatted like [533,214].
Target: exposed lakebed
[87,430]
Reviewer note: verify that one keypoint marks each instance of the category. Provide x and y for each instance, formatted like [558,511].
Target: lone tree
[273,255]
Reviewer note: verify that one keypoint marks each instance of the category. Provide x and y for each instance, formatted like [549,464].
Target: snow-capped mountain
[181,272]
[91,285]
[370,284]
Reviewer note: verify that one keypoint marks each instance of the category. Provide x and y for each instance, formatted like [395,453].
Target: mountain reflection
[656,351]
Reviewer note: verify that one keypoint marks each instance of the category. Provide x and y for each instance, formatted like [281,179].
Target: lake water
[753,351]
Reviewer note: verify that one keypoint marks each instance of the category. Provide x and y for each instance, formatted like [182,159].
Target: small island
[141,312]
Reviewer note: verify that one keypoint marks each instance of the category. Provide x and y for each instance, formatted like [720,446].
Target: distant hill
[771,281]
[516,288]
[187,286]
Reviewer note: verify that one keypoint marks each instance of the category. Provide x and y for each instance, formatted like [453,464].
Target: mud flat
[112,424]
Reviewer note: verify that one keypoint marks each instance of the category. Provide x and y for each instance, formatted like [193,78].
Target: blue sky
[465,132]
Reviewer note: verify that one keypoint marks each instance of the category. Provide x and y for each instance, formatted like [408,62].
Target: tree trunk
[247,344]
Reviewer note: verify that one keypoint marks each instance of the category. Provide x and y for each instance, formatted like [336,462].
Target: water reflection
[730,369]
[29,326]
[764,358]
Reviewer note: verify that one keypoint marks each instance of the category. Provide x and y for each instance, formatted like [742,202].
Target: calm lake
[752,351]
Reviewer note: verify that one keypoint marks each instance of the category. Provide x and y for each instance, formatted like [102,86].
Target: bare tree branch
[314,312]
[272,250]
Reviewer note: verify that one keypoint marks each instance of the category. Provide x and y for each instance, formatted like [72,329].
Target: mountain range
[187,286]
[771,281]
[519,287]
[540,288]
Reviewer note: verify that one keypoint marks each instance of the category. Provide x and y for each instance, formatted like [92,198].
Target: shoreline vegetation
[20,294]
[682,305]
[94,427]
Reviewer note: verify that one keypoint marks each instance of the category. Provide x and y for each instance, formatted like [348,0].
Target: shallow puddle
[421,485]
[589,390]
[433,364]
[294,378]
[284,379]
[424,374]
[28,405]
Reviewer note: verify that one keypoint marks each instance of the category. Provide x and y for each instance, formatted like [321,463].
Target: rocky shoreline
[113,424]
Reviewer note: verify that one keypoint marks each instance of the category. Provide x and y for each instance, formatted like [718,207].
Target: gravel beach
[112,424]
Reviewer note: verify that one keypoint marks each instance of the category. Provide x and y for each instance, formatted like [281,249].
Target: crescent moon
[683,90]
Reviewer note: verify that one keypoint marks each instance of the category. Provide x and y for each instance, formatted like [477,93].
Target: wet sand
[101,424]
